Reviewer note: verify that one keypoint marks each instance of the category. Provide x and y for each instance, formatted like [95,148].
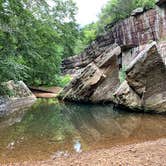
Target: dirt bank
[143,154]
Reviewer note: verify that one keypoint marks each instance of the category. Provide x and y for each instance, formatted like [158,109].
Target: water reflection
[77,146]
[53,129]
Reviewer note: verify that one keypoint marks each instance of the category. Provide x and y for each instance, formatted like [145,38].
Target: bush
[64,80]
[122,75]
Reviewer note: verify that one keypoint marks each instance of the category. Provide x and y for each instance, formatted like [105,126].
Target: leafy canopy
[34,37]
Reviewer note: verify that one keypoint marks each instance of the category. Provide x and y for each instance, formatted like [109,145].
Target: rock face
[22,98]
[146,79]
[126,96]
[93,80]
[132,32]
[139,53]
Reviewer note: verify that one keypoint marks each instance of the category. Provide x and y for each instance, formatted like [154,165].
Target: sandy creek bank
[141,154]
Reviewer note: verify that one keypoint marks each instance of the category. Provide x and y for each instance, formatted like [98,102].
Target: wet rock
[137,11]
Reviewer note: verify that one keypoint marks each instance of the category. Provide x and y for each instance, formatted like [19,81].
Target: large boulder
[146,75]
[82,87]
[21,98]
[98,81]
[144,88]
[108,63]
[127,97]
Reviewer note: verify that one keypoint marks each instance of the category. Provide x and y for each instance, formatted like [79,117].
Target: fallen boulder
[146,75]
[98,81]
[22,98]
[127,97]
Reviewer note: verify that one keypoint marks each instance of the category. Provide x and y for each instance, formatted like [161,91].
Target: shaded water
[51,129]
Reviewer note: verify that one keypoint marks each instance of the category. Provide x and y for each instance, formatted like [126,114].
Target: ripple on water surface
[51,129]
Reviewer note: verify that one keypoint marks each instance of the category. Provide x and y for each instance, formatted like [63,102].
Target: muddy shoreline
[146,153]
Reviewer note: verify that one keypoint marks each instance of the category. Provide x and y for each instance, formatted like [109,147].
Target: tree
[86,35]
[34,37]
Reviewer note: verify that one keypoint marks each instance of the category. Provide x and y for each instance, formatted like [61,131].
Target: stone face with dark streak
[160,2]
[129,33]
[134,51]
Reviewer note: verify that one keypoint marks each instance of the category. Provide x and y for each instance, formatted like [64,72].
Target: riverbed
[50,129]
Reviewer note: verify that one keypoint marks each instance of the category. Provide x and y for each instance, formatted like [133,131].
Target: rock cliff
[135,47]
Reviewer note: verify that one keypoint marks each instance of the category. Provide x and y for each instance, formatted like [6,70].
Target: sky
[88,10]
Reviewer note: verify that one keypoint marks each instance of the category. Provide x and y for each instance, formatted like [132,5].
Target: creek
[51,129]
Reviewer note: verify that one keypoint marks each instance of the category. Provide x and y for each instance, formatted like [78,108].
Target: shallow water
[50,129]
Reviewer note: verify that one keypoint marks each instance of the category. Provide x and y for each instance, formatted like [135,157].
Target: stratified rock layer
[146,79]
[135,54]
[96,80]
[132,32]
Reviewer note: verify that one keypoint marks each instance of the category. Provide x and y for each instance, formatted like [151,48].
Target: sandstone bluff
[135,46]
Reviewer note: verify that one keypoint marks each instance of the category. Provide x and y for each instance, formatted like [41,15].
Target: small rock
[137,11]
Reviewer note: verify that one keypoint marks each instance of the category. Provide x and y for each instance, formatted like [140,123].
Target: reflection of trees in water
[59,126]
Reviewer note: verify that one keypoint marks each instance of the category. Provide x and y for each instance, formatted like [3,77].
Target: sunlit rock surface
[22,97]
[137,11]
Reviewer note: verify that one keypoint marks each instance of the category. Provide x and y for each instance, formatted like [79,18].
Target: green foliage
[34,38]
[147,4]
[87,34]
[5,91]
[122,74]
[64,80]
